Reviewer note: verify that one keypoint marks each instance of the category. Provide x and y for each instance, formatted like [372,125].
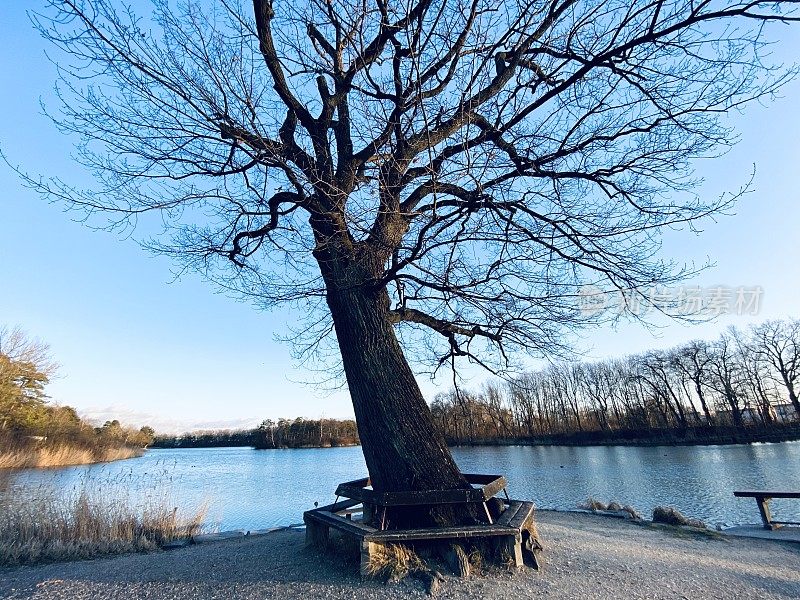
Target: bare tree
[778,343]
[755,371]
[692,360]
[452,167]
[725,377]
[599,383]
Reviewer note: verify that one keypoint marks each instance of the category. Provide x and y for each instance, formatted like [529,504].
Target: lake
[253,489]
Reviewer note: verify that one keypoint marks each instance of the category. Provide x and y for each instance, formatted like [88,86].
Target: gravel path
[586,557]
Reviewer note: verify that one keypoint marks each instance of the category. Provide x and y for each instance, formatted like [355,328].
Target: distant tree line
[217,438]
[322,433]
[283,433]
[27,419]
[743,386]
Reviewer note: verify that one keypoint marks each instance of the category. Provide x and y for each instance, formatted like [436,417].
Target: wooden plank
[353,490]
[481,478]
[525,511]
[490,486]
[416,498]
[356,483]
[508,514]
[413,498]
[441,533]
[339,523]
[765,494]
[337,506]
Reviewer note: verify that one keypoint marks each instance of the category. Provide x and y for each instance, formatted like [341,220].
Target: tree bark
[403,449]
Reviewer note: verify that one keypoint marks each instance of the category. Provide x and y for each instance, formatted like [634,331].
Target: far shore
[585,556]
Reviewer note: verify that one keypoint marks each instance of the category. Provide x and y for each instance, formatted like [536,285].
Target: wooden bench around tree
[762,499]
[483,488]
[506,530]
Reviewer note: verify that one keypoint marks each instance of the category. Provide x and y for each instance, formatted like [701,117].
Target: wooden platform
[506,531]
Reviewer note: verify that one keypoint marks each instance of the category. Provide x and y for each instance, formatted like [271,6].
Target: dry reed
[26,457]
[670,515]
[46,526]
[615,507]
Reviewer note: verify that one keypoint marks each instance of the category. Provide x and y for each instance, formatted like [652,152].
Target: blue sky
[136,345]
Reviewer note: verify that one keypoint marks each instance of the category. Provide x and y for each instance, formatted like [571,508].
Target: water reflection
[251,489]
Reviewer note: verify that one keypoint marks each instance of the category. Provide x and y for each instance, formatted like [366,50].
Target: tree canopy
[25,369]
[486,160]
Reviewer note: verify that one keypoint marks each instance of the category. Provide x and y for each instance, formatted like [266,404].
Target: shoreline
[584,556]
[729,530]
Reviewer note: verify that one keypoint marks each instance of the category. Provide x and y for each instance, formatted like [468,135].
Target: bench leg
[368,514]
[510,547]
[766,517]
[368,550]
[316,534]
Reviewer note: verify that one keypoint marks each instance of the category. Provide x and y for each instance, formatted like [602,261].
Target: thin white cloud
[131,418]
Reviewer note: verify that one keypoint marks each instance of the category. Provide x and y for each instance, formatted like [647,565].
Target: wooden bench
[762,499]
[507,530]
[483,487]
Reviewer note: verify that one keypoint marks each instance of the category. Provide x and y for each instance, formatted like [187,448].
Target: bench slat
[522,515]
[490,485]
[508,514]
[337,506]
[340,523]
[441,533]
[765,494]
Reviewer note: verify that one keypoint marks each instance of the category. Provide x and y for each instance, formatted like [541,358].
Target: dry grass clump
[50,527]
[393,562]
[26,457]
[669,515]
[632,512]
[593,505]
[613,506]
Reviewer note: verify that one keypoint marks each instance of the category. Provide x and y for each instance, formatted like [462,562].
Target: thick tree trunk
[402,447]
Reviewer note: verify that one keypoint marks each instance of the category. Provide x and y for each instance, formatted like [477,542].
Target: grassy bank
[61,455]
[46,526]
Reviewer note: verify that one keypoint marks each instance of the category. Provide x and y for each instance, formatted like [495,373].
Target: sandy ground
[586,557]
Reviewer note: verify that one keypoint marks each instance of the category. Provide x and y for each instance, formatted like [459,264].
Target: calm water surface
[252,489]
